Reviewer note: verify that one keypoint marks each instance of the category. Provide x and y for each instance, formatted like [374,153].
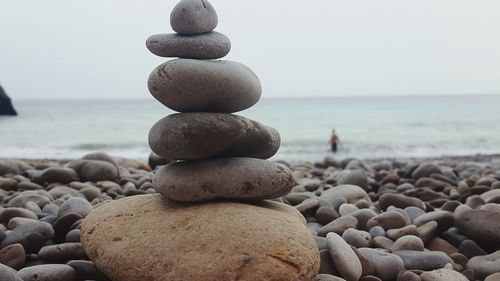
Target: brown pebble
[439,244]
[459,258]
[427,231]
[13,256]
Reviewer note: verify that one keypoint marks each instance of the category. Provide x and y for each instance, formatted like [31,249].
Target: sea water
[368,127]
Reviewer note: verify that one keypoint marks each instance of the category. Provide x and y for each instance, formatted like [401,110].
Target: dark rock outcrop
[6,107]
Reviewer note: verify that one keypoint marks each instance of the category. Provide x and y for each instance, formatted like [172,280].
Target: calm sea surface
[367,127]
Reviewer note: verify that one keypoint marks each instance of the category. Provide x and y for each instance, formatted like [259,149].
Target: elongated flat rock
[227,178]
[188,85]
[157,239]
[195,136]
[212,45]
[193,17]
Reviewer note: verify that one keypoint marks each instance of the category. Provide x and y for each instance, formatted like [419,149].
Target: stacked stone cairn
[211,220]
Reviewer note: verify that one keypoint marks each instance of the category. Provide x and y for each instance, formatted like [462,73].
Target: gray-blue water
[368,127]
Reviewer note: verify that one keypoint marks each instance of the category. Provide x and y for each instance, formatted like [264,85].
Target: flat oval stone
[212,45]
[470,221]
[16,222]
[388,220]
[408,242]
[212,241]
[344,258]
[338,225]
[48,272]
[443,218]
[399,201]
[32,236]
[94,170]
[193,17]
[75,205]
[351,193]
[357,238]
[386,265]
[229,178]
[13,212]
[194,136]
[423,260]
[56,174]
[187,85]
[21,199]
[354,177]
[13,256]
[62,252]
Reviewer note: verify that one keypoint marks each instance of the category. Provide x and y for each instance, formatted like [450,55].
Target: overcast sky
[96,49]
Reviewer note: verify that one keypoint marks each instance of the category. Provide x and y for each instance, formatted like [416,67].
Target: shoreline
[463,158]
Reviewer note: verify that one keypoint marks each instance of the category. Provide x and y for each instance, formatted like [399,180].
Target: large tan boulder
[152,238]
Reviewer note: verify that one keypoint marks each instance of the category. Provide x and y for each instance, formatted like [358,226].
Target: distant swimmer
[334,141]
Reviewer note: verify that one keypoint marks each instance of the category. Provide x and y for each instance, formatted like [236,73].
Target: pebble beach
[392,219]
[213,202]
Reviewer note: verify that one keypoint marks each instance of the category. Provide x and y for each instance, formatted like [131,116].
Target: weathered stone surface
[193,136]
[212,45]
[193,17]
[187,85]
[210,241]
[230,178]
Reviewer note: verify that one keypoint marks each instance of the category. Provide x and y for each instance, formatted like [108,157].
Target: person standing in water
[334,141]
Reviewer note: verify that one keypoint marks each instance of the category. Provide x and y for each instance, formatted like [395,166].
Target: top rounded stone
[192,17]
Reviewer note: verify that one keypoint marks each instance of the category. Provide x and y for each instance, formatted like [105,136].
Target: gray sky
[95,49]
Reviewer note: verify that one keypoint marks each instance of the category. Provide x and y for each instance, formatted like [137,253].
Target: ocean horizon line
[273,98]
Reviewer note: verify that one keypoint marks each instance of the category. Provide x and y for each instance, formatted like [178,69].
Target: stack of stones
[211,221]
